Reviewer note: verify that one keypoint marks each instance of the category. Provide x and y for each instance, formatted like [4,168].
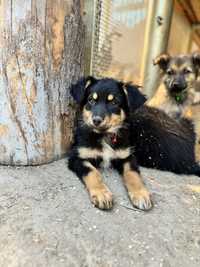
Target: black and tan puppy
[103,137]
[179,92]
[113,129]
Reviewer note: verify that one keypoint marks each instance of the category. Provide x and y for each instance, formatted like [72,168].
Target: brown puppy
[179,92]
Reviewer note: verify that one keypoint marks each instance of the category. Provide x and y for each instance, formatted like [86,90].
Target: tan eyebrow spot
[187,68]
[110,97]
[174,67]
[87,83]
[95,96]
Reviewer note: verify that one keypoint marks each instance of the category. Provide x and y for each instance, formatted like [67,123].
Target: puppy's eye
[112,100]
[170,71]
[187,71]
[92,99]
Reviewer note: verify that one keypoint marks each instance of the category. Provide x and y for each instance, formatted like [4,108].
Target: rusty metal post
[156,40]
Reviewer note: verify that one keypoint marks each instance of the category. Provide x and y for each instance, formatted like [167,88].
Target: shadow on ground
[46,219]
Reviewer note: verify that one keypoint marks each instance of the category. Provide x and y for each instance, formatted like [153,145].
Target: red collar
[113,138]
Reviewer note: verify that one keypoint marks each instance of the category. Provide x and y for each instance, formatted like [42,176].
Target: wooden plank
[187,9]
[41,49]
[196,38]
[195,4]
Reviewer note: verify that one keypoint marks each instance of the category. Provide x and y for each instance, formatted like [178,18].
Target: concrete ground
[46,219]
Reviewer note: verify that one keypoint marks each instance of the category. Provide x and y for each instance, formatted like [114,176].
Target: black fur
[163,143]
[135,98]
[157,140]
[78,90]
[86,137]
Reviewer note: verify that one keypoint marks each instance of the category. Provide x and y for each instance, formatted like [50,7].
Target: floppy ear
[196,59]
[162,61]
[135,98]
[78,89]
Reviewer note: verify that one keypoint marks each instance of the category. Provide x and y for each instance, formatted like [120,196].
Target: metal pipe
[147,36]
[89,20]
[158,41]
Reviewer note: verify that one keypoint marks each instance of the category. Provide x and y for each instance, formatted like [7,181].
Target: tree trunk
[41,46]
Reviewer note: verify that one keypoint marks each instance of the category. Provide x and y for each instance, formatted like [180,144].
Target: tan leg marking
[100,195]
[139,195]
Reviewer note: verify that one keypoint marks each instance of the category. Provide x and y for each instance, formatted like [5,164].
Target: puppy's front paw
[101,197]
[141,199]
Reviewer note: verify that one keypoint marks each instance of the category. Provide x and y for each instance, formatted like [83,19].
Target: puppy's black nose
[178,86]
[97,120]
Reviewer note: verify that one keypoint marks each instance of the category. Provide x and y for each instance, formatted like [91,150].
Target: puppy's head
[180,72]
[106,103]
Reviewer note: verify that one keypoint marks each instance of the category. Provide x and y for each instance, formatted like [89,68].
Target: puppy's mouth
[100,129]
[108,124]
[177,89]
[104,129]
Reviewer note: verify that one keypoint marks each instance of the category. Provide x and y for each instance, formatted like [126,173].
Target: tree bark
[41,54]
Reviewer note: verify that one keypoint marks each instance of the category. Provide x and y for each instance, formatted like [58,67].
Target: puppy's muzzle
[97,120]
[177,87]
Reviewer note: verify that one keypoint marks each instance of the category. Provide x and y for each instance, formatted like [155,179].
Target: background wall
[118,49]
[180,34]
[183,37]
[118,52]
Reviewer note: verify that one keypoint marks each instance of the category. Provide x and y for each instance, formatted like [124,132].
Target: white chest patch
[108,154]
